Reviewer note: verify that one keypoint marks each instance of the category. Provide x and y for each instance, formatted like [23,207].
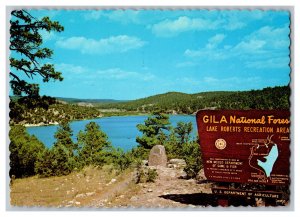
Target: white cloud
[70,69]
[122,16]
[86,74]
[234,24]
[48,36]
[215,40]
[207,53]
[168,28]
[278,37]
[250,46]
[265,42]
[119,74]
[93,15]
[125,16]
[113,44]
[231,81]
[267,45]
[210,50]
[270,63]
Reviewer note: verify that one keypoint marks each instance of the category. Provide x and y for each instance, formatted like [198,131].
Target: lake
[121,130]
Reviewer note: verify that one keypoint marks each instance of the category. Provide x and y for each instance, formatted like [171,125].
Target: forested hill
[171,102]
[176,102]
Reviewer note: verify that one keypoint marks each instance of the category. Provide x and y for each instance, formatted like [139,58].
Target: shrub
[151,175]
[192,157]
[24,151]
[145,175]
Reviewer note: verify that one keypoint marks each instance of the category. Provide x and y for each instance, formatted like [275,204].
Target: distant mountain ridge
[78,100]
[184,103]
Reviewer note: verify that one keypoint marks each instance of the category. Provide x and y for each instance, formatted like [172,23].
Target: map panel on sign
[245,146]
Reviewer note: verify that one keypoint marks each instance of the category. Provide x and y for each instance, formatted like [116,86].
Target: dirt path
[115,188]
[169,190]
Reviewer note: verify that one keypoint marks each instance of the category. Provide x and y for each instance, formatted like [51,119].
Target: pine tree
[24,150]
[93,143]
[60,159]
[63,137]
[153,130]
[183,131]
[27,53]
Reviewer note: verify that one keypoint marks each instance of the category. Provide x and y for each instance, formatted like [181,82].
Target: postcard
[149,107]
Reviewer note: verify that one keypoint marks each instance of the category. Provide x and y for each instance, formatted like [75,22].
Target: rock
[157,156]
[134,198]
[201,176]
[79,195]
[77,203]
[177,163]
[149,190]
[111,181]
[183,175]
[90,193]
[144,162]
[190,180]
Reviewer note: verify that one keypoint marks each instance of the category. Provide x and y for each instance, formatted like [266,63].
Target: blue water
[121,130]
[270,160]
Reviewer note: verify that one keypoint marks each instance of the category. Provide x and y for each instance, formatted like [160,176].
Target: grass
[76,189]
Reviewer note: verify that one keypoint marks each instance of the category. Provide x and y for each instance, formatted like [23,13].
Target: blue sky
[130,54]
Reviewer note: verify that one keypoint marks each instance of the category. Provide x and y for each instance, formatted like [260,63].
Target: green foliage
[145,174]
[26,43]
[192,155]
[55,162]
[180,145]
[65,156]
[60,159]
[152,130]
[124,160]
[24,151]
[44,165]
[181,103]
[151,175]
[183,131]
[139,153]
[30,157]
[47,112]
[63,137]
[92,144]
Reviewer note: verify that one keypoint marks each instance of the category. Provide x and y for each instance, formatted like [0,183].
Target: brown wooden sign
[249,146]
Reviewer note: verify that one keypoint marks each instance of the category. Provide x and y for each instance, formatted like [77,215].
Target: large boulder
[157,156]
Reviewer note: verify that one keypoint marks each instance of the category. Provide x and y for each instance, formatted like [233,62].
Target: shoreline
[103,116]
[41,124]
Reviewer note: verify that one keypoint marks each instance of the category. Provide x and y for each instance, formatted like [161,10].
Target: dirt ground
[104,188]
[100,188]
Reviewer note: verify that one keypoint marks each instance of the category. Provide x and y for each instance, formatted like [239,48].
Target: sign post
[245,146]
